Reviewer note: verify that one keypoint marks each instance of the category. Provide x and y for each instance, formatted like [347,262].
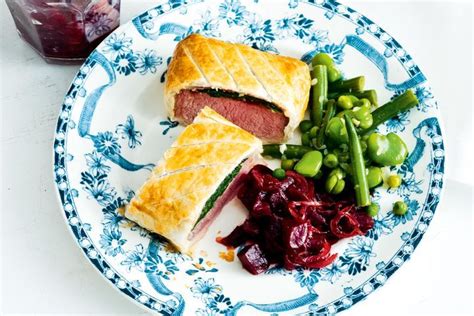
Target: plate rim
[147,306]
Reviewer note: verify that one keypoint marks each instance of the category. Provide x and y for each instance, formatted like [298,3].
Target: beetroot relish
[64,31]
[290,224]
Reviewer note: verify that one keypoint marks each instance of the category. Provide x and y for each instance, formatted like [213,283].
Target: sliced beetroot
[290,224]
[253,259]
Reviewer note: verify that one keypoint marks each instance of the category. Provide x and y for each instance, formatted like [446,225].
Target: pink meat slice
[225,198]
[251,116]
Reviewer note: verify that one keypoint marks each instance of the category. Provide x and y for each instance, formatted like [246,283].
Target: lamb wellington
[197,176]
[263,93]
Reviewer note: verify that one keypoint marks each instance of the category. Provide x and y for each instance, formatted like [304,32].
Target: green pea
[394,181]
[400,208]
[309,164]
[335,181]
[287,164]
[374,177]
[330,161]
[345,102]
[305,126]
[322,59]
[313,132]
[279,173]
[333,74]
[305,139]
[373,209]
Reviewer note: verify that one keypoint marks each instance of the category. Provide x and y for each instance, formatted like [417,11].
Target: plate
[113,126]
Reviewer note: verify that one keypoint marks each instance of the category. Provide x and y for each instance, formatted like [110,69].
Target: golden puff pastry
[203,64]
[207,155]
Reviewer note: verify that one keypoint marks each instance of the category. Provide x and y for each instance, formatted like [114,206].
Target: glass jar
[64,31]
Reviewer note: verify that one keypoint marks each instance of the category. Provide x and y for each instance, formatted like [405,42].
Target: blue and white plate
[113,127]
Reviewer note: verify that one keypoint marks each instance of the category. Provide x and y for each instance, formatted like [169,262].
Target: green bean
[402,103]
[330,111]
[272,150]
[319,92]
[279,173]
[291,151]
[400,208]
[349,85]
[373,209]
[296,151]
[305,126]
[361,187]
[309,164]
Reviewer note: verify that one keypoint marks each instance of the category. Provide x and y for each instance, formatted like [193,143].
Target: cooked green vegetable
[319,93]
[287,164]
[342,153]
[373,209]
[309,164]
[336,131]
[306,139]
[374,177]
[345,102]
[349,85]
[361,187]
[394,181]
[363,102]
[279,173]
[322,59]
[333,74]
[400,208]
[335,181]
[389,150]
[400,104]
[330,111]
[220,190]
[291,151]
[370,95]
[330,161]
[305,126]
[313,132]
[361,116]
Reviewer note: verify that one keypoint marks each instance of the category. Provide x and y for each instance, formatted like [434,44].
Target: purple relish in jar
[64,31]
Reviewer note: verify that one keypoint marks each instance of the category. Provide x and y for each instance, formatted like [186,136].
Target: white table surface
[43,271]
